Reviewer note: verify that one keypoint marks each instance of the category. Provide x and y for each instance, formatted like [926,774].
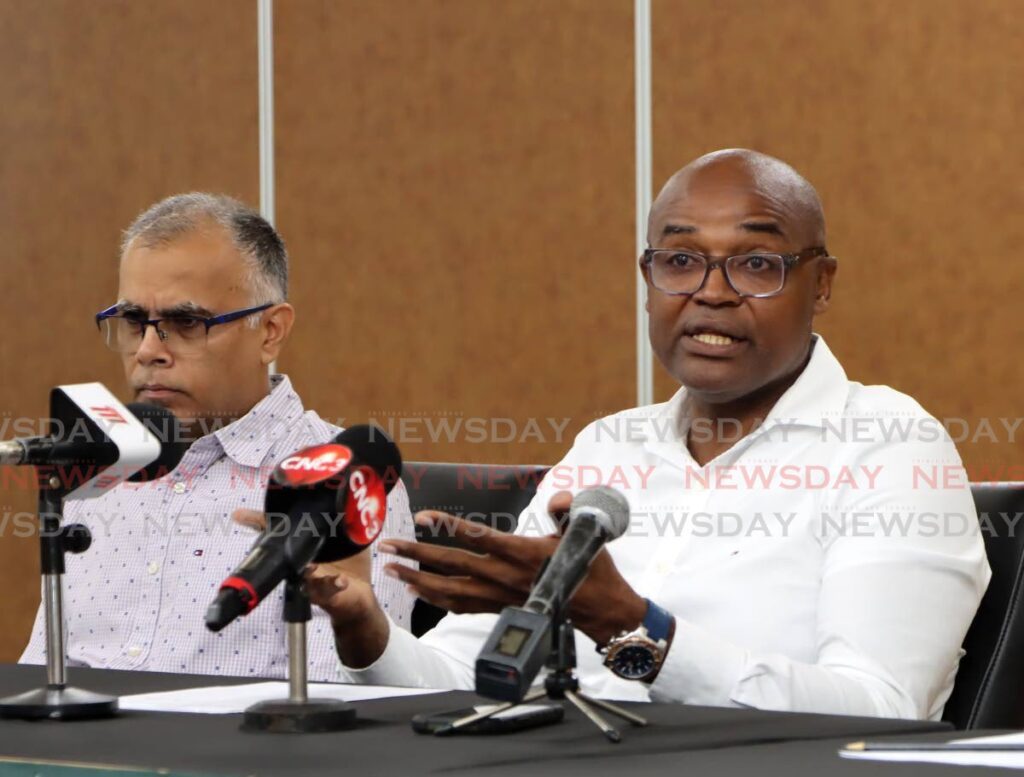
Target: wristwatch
[638,654]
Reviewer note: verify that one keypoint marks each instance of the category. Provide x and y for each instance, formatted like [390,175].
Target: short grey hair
[254,237]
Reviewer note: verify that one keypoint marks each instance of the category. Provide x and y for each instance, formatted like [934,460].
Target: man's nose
[716,289]
[152,349]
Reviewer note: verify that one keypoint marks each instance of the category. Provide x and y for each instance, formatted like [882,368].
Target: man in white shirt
[798,541]
[201,314]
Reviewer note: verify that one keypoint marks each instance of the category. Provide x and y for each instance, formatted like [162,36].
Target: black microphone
[596,516]
[521,640]
[324,503]
[102,441]
[162,424]
[86,447]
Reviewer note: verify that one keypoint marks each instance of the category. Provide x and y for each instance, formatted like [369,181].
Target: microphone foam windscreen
[607,502]
[372,446]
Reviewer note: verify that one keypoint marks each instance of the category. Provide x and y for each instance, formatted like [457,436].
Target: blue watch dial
[633,662]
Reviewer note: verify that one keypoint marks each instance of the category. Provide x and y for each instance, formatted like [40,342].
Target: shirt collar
[821,391]
[248,439]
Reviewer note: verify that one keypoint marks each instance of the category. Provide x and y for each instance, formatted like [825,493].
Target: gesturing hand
[498,569]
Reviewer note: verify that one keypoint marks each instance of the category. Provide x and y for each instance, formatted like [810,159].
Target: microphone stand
[298,714]
[561,683]
[57,700]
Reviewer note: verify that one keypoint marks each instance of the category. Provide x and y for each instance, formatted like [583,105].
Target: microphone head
[370,445]
[608,506]
[162,424]
[349,476]
[379,465]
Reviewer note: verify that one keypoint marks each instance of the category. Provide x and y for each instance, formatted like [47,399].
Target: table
[697,740]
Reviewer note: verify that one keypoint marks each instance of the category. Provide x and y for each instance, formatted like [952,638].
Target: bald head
[787,198]
[729,346]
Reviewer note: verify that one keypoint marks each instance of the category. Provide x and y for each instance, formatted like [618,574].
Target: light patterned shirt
[137,598]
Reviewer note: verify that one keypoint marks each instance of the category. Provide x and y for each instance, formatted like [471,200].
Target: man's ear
[277,325]
[826,274]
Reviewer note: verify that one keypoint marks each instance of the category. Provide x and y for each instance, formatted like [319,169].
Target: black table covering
[681,739]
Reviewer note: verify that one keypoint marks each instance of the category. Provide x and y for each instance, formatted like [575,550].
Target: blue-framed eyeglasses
[184,333]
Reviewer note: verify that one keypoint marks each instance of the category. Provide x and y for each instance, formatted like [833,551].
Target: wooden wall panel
[455,183]
[108,106]
[906,117]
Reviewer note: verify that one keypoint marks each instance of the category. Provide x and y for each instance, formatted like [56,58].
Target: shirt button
[135,651]
[179,488]
[153,568]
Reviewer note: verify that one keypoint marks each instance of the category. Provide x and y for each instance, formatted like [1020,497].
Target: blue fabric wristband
[657,621]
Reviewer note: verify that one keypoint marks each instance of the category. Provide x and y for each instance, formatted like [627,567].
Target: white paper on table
[227,699]
[1010,759]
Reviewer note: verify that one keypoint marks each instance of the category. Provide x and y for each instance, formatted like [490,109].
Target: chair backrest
[493,494]
[989,688]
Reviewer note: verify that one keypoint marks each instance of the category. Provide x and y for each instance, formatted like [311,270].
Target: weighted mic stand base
[306,717]
[58,702]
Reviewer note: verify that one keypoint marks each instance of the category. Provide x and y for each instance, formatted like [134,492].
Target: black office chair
[492,494]
[989,688]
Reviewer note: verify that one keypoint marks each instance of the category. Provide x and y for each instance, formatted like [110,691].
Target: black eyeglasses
[182,334]
[674,271]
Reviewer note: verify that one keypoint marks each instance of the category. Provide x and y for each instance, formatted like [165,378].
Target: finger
[253,519]
[558,509]
[454,561]
[322,583]
[477,536]
[321,571]
[456,594]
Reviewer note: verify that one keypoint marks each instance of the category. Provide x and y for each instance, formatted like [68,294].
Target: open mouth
[713,338]
[713,334]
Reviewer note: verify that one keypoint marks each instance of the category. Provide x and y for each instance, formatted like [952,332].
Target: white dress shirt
[136,599]
[829,561]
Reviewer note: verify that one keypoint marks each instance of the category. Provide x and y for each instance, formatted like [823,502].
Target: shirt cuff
[397,665]
[700,668]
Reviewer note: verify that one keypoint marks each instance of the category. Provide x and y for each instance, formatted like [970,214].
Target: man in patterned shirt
[201,314]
